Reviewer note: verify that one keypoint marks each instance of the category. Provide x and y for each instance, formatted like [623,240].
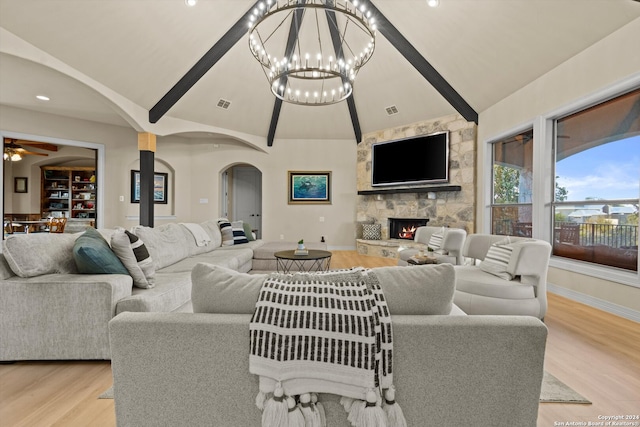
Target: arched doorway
[242,187]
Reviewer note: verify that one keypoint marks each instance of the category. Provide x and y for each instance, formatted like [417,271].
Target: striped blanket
[323,333]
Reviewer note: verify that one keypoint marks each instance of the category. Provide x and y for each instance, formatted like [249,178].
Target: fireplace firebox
[405,228]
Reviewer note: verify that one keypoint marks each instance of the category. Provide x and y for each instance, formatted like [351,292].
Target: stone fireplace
[405,228]
[451,204]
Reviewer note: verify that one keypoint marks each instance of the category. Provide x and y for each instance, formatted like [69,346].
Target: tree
[506,183]
[561,192]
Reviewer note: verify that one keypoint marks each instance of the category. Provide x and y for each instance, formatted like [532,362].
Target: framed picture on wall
[309,187]
[160,186]
[20,184]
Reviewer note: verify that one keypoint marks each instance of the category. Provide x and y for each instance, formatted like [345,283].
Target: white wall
[197,166]
[607,64]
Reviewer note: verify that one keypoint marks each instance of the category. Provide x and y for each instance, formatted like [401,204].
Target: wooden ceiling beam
[337,47]
[35,144]
[292,39]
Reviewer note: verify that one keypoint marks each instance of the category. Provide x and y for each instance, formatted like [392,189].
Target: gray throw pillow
[421,289]
[371,231]
[216,289]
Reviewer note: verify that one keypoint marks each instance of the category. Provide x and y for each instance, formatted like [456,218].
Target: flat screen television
[421,159]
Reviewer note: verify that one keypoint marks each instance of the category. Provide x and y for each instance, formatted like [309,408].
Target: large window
[597,183]
[512,185]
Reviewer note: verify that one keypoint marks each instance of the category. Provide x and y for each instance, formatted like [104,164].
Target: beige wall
[604,65]
[196,167]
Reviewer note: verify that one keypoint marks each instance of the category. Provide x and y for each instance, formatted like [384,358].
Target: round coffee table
[315,260]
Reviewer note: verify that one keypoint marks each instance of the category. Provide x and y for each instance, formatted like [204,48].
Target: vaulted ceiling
[112,61]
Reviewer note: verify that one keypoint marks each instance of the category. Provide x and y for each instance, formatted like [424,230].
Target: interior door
[247,197]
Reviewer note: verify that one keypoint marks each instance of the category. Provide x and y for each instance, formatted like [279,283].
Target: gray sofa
[192,369]
[48,311]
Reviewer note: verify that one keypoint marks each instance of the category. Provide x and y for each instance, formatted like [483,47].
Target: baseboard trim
[594,302]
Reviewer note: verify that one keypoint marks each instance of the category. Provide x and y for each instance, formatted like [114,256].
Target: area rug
[553,391]
[107,394]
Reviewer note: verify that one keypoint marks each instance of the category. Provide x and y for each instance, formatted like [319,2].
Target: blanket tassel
[320,408]
[260,398]
[355,411]
[346,403]
[276,410]
[395,416]
[296,419]
[308,409]
[372,414]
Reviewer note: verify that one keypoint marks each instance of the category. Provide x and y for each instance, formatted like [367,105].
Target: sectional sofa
[50,311]
[449,370]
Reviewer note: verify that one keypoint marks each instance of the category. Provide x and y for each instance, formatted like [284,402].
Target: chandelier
[311,51]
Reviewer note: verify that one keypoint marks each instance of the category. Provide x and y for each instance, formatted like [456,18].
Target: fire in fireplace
[405,228]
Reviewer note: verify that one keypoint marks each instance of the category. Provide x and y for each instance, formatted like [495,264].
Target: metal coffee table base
[316,260]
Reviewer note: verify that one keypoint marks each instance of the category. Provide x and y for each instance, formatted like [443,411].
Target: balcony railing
[606,244]
[615,236]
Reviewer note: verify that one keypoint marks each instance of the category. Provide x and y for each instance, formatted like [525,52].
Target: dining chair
[56,225]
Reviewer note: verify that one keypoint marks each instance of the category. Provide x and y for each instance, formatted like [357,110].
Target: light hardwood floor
[594,352]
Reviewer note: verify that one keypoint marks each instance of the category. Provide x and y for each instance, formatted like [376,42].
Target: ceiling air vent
[224,104]
[392,110]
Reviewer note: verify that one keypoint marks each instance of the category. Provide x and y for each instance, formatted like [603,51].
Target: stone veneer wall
[449,208]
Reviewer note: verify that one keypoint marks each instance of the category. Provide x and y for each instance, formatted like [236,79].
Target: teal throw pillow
[93,255]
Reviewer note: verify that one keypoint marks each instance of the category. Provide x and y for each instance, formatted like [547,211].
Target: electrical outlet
[282,237]
[122,198]
[321,219]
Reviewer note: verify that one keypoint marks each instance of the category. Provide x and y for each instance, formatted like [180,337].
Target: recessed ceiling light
[433,3]
[190,3]
[42,97]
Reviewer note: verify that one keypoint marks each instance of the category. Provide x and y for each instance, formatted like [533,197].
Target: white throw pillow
[435,242]
[227,231]
[135,256]
[239,235]
[496,261]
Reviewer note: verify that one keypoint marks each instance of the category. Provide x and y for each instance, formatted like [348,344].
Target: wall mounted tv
[422,159]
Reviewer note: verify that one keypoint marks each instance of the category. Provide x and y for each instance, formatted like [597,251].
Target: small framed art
[309,187]
[20,184]
[160,187]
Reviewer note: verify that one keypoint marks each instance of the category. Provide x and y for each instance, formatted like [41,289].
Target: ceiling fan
[14,151]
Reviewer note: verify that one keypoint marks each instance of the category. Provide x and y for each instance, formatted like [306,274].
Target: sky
[609,171]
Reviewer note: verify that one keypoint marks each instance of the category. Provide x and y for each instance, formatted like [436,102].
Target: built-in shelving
[435,189]
[69,192]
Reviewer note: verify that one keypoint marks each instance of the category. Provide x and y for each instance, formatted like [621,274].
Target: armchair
[481,292]
[450,250]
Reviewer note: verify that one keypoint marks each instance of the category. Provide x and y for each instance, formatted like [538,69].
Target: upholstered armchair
[450,245]
[506,278]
